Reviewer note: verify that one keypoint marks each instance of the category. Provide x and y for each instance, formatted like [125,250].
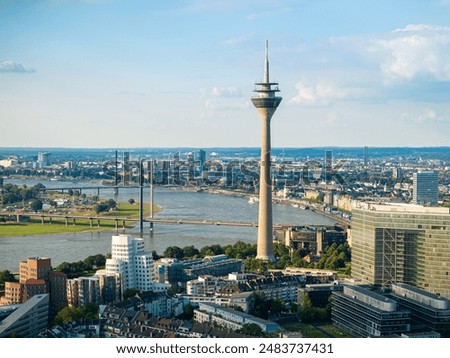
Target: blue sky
[99,73]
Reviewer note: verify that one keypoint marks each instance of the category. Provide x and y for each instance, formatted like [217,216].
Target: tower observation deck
[266,103]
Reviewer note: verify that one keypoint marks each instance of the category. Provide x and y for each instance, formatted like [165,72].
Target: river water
[175,203]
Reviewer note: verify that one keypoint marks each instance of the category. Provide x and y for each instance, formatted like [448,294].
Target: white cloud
[222,98]
[323,92]
[13,67]
[415,51]
[230,91]
[427,115]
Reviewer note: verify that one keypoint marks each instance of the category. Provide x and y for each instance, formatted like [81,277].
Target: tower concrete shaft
[266,104]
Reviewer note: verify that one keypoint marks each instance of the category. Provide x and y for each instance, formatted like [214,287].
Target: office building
[129,260]
[402,243]
[44,159]
[328,166]
[425,188]
[266,104]
[363,313]
[28,320]
[200,159]
[366,156]
[319,294]
[429,312]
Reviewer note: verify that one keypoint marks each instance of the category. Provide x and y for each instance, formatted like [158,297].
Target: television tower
[266,104]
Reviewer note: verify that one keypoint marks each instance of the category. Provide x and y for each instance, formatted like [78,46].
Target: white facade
[129,259]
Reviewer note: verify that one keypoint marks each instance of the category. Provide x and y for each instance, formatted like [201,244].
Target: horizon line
[221,147]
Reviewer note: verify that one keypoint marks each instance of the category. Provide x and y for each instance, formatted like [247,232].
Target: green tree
[100,208]
[69,314]
[212,250]
[190,251]
[111,203]
[276,306]
[255,265]
[174,252]
[36,205]
[307,312]
[6,276]
[131,292]
[188,313]
[252,329]
[261,305]
[94,261]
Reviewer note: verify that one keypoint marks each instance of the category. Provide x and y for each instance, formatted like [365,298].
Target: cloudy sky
[130,73]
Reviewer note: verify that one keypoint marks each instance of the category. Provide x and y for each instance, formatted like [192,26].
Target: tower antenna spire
[266,63]
[266,102]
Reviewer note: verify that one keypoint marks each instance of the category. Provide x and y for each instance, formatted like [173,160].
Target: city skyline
[180,74]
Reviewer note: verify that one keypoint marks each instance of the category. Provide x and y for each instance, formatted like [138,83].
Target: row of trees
[82,267]
[335,257]
[12,193]
[69,314]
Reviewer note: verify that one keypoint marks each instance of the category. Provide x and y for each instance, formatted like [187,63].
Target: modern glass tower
[402,243]
[266,103]
[425,188]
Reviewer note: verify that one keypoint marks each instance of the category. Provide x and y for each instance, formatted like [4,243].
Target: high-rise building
[37,277]
[44,159]
[129,259]
[402,243]
[366,156]
[36,268]
[266,103]
[328,166]
[200,159]
[425,188]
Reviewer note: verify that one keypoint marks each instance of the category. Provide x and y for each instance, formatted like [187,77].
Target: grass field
[310,331]
[35,226]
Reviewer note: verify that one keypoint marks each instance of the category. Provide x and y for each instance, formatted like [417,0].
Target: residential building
[36,277]
[36,268]
[13,293]
[231,319]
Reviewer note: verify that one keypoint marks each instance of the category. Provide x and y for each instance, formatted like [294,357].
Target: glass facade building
[425,188]
[402,243]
